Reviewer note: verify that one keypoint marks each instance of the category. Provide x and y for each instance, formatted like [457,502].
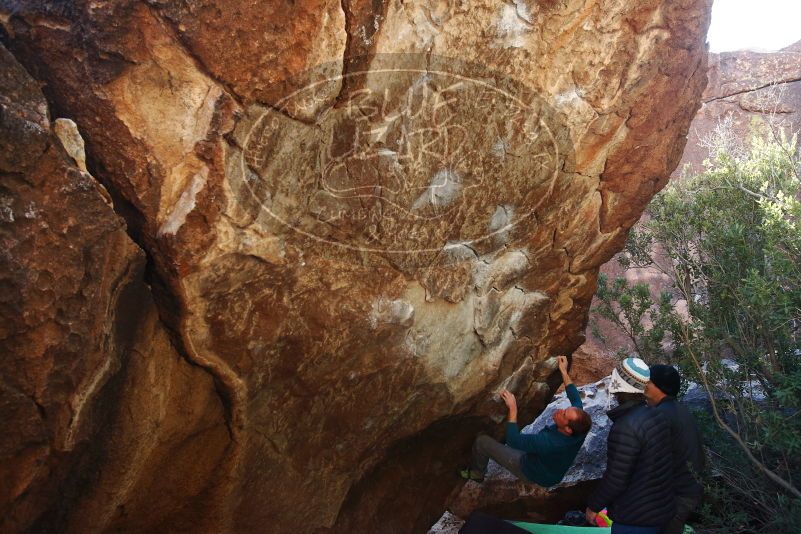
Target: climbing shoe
[469,474]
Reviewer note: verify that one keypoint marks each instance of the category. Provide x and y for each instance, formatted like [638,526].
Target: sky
[760,25]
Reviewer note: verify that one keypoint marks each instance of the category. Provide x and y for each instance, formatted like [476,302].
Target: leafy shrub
[729,242]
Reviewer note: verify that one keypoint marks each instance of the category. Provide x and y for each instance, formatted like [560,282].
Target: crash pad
[540,528]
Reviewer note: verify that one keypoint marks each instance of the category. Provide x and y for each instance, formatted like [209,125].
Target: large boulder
[101,413]
[358,238]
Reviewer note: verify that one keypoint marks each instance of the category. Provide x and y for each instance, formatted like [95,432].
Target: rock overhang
[312,256]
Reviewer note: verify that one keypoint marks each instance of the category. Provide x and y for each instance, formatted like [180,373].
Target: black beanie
[666,378]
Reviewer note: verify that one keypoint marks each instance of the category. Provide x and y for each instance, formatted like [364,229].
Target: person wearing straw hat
[637,486]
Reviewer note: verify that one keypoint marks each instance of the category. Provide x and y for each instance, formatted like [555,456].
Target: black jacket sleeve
[623,448]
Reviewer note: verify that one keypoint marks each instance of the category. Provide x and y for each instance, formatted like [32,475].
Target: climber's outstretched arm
[563,368]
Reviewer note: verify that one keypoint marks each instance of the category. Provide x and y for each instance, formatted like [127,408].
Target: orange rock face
[98,405]
[361,220]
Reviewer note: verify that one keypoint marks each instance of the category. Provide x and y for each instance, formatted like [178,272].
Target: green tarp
[538,528]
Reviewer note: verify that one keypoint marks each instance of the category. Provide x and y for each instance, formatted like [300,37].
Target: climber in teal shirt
[542,458]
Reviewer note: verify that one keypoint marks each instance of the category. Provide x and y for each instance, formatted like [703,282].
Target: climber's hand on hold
[511,403]
[562,361]
[509,398]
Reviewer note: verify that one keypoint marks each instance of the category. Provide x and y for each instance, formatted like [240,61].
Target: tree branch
[762,467]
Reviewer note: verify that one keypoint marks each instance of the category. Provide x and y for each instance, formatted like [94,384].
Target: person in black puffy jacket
[688,448]
[637,486]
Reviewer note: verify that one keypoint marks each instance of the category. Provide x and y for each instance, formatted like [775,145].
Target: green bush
[729,242]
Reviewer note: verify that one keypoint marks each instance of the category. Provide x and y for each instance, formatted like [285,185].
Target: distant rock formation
[357,222]
[746,90]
